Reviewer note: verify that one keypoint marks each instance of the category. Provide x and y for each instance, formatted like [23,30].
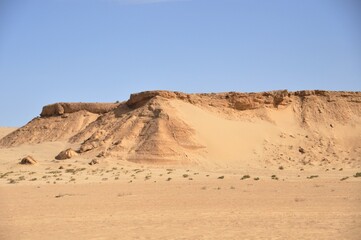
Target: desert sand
[170,165]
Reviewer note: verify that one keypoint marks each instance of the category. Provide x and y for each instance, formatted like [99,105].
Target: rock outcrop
[63,108]
[28,160]
[66,154]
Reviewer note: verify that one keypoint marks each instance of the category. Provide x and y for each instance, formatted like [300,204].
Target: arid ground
[165,165]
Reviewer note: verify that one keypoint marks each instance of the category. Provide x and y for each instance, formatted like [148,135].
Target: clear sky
[103,50]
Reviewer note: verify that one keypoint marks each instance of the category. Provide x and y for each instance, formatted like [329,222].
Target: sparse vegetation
[70,170]
[63,195]
[245,177]
[5,174]
[274,177]
[123,194]
[312,176]
[12,181]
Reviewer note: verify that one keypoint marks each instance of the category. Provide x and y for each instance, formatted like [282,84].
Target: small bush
[274,177]
[185,175]
[256,178]
[5,174]
[12,181]
[312,176]
[280,167]
[245,177]
[343,179]
[70,170]
[357,174]
[221,177]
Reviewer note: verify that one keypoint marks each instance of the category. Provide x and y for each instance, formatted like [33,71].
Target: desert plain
[170,165]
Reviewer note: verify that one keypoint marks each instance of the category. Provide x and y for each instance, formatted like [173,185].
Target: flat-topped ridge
[57,109]
[236,100]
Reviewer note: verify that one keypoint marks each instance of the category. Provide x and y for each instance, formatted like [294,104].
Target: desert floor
[119,200]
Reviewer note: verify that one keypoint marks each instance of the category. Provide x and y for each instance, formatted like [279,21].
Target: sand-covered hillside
[224,129]
[170,165]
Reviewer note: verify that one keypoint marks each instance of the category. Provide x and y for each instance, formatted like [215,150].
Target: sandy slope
[5,131]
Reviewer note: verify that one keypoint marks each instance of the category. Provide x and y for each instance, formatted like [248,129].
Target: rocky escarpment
[245,101]
[146,128]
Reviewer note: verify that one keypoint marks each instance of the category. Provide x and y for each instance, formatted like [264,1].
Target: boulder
[28,160]
[66,154]
[93,162]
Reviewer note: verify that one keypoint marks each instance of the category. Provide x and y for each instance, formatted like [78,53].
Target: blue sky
[103,50]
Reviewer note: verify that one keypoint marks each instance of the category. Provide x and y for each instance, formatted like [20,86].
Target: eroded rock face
[57,109]
[28,160]
[142,97]
[66,154]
